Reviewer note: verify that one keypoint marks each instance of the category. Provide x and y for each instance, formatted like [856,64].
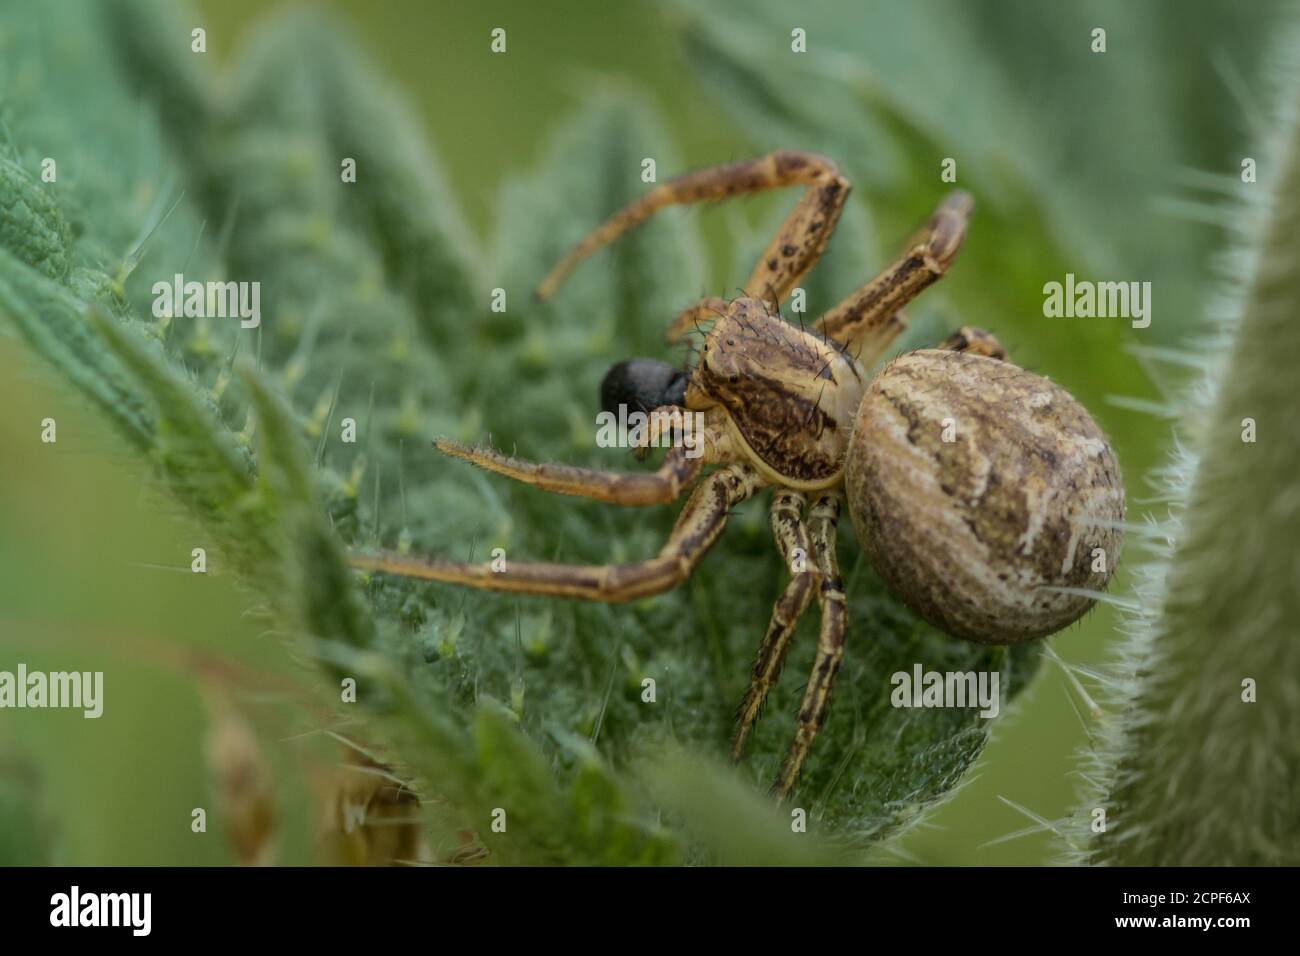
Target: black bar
[488,904]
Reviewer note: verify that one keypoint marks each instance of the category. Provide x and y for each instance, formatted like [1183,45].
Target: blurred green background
[91,561]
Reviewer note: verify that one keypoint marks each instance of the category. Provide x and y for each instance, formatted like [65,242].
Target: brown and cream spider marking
[985,496]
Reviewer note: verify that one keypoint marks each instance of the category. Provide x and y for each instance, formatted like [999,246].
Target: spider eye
[735,379]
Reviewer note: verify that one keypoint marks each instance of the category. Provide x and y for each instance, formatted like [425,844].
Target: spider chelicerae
[986,497]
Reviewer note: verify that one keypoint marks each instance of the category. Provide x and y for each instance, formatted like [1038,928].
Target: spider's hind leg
[688,320]
[975,342]
[871,317]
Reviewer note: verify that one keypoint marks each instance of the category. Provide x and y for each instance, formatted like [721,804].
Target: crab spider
[989,532]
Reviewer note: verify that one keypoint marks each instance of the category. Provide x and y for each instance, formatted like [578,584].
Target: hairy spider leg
[698,526]
[678,471]
[791,253]
[976,341]
[870,318]
[706,310]
[823,519]
[792,539]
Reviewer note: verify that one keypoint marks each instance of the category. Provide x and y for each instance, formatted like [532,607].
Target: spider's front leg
[822,521]
[682,464]
[793,251]
[698,526]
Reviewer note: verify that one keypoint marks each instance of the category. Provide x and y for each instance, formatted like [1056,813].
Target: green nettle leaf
[1198,766]
[317,573]
[736,824]
[32,227]
[53,322]
[377,311]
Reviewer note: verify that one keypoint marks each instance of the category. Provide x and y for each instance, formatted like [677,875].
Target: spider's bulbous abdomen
[985,496]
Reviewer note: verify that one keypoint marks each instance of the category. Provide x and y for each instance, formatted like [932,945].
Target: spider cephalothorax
[986,496]
[789,396]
